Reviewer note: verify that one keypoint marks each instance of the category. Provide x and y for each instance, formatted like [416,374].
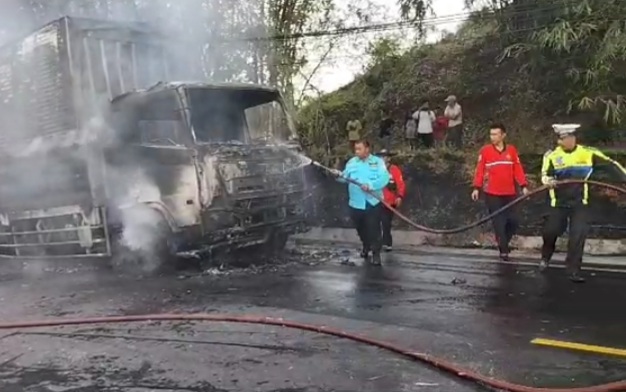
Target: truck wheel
[276,243]
[143,247]
[256,254]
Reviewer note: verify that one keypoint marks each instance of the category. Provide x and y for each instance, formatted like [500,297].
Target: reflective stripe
[586,188]
[499,163]
[575,171]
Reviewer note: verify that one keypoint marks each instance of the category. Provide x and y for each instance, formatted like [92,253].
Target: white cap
[565,129]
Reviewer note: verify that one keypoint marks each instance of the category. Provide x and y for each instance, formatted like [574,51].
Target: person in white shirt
[424,117]
[454,114]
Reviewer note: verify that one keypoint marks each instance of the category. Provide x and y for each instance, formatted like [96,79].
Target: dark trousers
[454,136]
[385,221]
[556,224]
[367,224]
[426,139]
[504,224]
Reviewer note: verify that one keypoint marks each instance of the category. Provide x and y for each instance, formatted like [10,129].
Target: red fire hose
[441,364]
[438,363]
[487,218]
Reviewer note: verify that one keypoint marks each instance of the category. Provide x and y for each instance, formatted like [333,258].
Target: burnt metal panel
[111,59]
[48,180]
[53,82]
[34,86]
[65,73]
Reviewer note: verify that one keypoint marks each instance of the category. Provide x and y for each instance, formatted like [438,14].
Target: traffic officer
[498,173]
[570,201]
[365,209]
[393,193]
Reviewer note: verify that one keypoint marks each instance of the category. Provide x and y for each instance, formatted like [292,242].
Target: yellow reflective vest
[579,163]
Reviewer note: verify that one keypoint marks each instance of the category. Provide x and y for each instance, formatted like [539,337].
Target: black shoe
[365,253]
[376,260]
[543,265]
[576,278]
[504,257]
[387,248]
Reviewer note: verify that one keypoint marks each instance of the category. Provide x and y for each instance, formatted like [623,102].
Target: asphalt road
[480,315]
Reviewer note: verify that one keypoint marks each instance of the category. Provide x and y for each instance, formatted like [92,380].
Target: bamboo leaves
[587,39]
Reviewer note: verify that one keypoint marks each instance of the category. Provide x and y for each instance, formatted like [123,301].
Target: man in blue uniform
[570,202]
[365,209]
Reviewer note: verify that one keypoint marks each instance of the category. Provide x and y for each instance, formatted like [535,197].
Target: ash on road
[481,315]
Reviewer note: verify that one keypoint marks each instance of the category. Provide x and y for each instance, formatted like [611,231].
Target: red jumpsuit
[497,173]
[396,189]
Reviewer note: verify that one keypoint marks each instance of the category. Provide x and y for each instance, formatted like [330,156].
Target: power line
[455,40]
[427,22]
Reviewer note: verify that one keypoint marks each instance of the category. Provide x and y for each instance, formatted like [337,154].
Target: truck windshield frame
[221,115]
[160,121]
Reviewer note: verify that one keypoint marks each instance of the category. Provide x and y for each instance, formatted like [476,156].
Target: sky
[347,60]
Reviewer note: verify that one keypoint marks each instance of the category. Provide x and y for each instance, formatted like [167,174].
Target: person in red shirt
[393,194]
[440,127]
[497,172]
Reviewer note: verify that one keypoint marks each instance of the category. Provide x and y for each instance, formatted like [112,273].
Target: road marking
[580,347]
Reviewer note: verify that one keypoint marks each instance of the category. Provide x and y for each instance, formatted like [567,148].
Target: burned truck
[102,154]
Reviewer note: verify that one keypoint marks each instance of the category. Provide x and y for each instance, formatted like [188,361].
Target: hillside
[470,64]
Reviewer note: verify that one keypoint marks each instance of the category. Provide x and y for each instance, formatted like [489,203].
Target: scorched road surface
[480,315]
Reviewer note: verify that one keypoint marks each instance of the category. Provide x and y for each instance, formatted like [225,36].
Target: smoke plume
[197,37]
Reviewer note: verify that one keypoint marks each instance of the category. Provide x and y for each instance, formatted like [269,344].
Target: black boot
[365,253]
[376,260]
[504,257]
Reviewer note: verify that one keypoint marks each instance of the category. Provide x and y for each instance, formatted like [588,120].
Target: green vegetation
[526,63]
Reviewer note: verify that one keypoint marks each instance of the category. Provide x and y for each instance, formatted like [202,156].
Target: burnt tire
[143,245]
[276,243]
[261,254]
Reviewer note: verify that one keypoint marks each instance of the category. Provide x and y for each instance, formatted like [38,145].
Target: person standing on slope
[498,171]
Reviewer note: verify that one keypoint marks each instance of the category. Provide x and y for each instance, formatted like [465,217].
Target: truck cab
[219,163]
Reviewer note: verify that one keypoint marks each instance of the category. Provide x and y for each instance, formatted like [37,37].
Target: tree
[594,42]
[287,20]
[415,11]
[383,49]
[584,40]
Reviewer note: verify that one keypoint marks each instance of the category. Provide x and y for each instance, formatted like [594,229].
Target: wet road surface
[480,315]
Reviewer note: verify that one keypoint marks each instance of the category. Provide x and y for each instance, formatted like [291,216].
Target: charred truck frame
[96,146]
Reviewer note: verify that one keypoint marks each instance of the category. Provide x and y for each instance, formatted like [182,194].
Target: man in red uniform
[497,172]
[394,194]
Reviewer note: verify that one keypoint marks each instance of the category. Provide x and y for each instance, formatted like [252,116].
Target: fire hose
[437,363]
[441,364]
[482,220]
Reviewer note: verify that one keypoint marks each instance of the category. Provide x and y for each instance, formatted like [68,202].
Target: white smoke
[140,222]
[199,32]
[132,192]
[197,37]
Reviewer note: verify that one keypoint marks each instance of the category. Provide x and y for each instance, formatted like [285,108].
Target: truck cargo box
[58,78]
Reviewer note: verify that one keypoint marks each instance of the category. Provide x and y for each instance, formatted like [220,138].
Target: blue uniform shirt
[370,171]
